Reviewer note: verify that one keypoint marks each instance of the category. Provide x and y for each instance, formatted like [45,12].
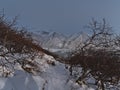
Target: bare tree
[97,56]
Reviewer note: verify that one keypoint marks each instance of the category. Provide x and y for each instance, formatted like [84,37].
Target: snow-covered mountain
[57,40]
[50,39]
[75,40]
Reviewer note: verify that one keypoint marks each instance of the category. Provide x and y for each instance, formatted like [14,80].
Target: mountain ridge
[59,41]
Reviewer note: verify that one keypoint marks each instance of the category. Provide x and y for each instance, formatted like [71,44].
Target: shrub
[98,57]
[16,46]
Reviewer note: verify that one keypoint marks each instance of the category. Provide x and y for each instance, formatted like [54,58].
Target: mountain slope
[49,39]
[58,40]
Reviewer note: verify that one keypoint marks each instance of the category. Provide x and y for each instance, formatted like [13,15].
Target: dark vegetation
[17,47]
[98,57]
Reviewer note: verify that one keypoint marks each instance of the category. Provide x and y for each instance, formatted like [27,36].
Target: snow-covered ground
[51,77]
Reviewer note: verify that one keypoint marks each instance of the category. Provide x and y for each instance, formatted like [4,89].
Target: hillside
[51,77]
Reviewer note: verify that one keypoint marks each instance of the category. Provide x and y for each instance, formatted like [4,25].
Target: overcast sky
[66,16]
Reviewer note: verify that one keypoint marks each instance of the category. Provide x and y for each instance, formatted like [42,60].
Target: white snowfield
[51,78]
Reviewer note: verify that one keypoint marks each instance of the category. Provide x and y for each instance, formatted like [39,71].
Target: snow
[51,78]
[57,40]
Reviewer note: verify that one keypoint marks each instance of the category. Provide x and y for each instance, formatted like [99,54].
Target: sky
[64,16]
